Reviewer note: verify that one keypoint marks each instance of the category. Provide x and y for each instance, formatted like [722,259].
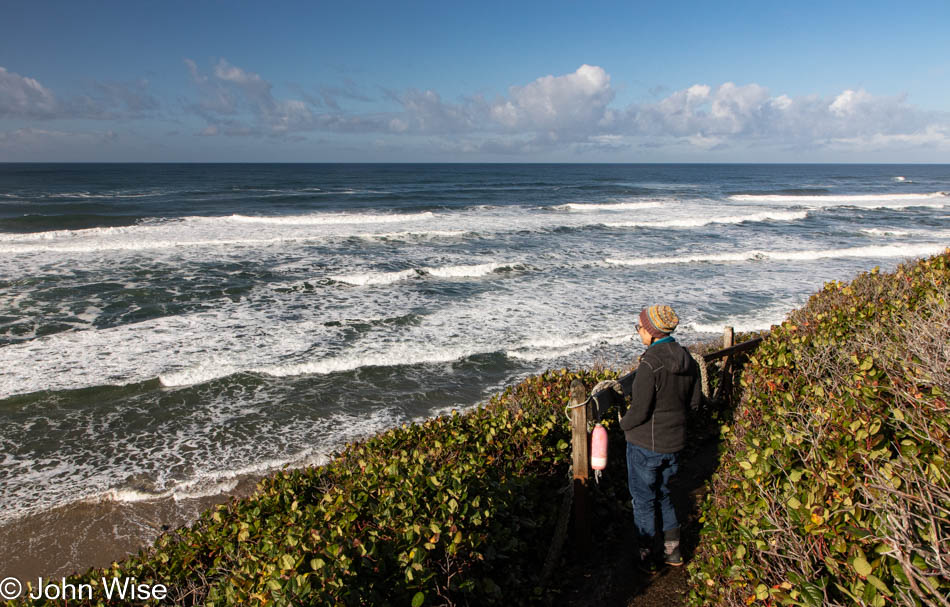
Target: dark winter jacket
[665,386]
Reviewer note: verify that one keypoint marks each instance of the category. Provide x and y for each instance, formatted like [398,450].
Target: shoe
[671,554]
[646,562]
[671,548]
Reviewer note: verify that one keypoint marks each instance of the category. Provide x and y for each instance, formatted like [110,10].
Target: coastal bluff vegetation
[831,485]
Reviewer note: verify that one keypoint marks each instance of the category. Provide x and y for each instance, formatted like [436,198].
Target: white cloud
[397,125]
[732,104]
[24,97]
[425,112]
[934,136]
[230,91]
[743,116]
[196,76]
[112,101]
[607,139]
[782,102]
[572,112]
[849,102]
[555,114]
[31,137]
[550,111]
[574,100]
[229,73]
[707,143]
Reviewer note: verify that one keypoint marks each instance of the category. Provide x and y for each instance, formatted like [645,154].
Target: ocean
[168,332]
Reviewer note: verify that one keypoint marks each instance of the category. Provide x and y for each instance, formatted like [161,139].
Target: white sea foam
[880,232]
[473,271]
[363,279]
[215,482]
[557,346]
[589,207]
[323,219]
[566,307]
[188,348]
[901,251]
[222,233]
[141,245]
[403,354]
[204,232]
[419,235]
[755,321]
[481,325]
[48,484]
[697,222]
[884,200]
[203,372]
[190,490]
[102,196]
[71,234]
[416,354]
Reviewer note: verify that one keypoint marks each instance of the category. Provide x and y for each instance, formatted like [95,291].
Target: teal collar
[664,340]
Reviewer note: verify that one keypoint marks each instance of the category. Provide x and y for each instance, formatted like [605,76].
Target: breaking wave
[909,250]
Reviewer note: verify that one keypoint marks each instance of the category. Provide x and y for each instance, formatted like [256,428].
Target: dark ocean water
[166,330]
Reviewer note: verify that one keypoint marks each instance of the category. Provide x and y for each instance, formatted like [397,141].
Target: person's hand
[607,384]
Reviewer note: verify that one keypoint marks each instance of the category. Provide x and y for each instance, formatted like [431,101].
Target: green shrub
[833,487]
[457,509]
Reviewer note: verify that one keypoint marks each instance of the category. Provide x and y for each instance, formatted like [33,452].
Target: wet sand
[73,538]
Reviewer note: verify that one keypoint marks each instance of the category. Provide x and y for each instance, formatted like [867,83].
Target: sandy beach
[72,538]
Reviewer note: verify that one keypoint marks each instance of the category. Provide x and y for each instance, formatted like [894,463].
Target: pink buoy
[598,448]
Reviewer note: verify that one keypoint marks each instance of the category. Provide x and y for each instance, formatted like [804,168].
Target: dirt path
[610,577]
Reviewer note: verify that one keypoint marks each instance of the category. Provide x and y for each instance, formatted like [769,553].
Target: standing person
[665,385]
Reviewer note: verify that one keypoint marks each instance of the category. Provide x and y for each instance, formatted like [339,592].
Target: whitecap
[906,250]
[893,201]
[588,207]
[363,279]
[698,222]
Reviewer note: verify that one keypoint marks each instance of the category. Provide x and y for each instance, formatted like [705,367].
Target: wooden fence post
[728,340]
[728,337]
[581,463]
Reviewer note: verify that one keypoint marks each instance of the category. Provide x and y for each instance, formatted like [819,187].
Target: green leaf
[861,566]
[879,584]
[418,599]
[812,594]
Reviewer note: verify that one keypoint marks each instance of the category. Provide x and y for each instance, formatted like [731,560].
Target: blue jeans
[648,478]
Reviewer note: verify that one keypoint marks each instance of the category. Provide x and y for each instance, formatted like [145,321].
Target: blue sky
[755,81]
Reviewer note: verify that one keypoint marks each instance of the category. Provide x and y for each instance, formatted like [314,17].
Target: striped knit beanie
[659,321]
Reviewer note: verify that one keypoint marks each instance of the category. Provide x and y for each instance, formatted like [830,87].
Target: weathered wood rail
[730,350]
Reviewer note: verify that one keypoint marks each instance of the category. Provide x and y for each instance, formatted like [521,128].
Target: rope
[703,372]
[567,408]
